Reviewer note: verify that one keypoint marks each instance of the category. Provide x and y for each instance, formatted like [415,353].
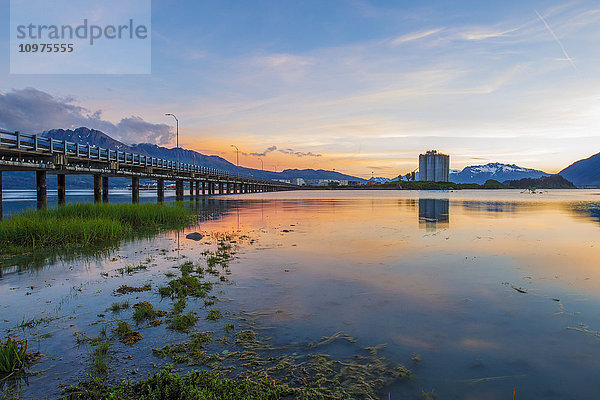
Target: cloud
[409,37]
[285,151]
[33,111]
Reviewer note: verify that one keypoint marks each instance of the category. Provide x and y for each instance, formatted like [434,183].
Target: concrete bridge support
[191,189]
[179,190]
[42,198]
[135,190]
[197,190]
[105,189]
[160,190]
[97,190]
[62,189]
[1,211]
[203,188]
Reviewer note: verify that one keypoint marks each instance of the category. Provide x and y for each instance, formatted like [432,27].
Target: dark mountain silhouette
[584,172]
[547,182]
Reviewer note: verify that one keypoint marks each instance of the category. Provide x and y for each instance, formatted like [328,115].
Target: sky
[358,86]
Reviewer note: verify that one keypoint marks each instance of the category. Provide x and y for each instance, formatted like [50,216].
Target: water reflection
[324,262]
[434,214]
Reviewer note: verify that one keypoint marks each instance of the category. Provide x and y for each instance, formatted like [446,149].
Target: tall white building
[434,166]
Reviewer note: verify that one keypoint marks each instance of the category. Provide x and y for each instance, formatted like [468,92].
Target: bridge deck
[24,152]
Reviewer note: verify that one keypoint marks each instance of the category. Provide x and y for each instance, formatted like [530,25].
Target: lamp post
[237,158]
[262,165]
[177,130]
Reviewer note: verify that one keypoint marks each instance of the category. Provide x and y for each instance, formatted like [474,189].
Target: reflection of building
[434,166]
[433,213]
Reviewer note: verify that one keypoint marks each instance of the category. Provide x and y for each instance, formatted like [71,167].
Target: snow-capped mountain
[497,171]
[380,179]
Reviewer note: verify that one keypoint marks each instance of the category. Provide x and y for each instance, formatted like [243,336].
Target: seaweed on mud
[126,335]
[124,289]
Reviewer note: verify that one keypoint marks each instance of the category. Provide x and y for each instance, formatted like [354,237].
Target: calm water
[496,290]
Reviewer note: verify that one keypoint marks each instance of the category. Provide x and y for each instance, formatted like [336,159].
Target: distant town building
[434,166]
[299,181]
[326,182]
[283,180]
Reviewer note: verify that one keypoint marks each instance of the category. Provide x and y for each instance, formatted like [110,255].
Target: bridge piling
[105,189]
[160,190]
[179,190]
[62,189]
[197,190]
[42,199]
[203,188]
[1,212]
[191,189]
[135,190]
[97,191]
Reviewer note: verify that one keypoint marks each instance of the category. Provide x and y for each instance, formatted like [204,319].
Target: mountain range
[496,171]
[581,173]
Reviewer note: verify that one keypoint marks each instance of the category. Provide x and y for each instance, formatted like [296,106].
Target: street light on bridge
[177,130]
[237,158]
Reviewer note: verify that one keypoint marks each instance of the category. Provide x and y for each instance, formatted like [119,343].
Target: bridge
[24,152]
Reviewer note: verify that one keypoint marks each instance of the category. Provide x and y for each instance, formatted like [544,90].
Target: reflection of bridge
[21,152]
[433,212]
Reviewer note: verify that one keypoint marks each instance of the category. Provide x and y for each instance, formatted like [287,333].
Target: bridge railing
[45,145]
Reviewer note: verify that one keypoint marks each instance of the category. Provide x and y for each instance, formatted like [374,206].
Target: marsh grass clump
[99,358]
[179,306]
[186,268]
[182,322]
[214,315]
[33,322]
[125,334]
[124,289]
[130,269]
[13,355]
[144,310]
[185,286]
[86,224]
[194,385]
[119,305]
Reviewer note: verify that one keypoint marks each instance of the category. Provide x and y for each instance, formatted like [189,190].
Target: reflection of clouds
[478,344]
[413,342]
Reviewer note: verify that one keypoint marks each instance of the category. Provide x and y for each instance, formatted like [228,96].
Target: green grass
[83,225]
[100,359]
[183,322]
[197,385]
[214,315]
[125,334]
[118,306]
[185,286]
[12,356]
[144,310]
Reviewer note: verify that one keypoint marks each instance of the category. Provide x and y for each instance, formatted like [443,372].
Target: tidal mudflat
[396,294]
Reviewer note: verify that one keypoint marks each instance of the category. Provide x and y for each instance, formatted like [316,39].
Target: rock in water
[194,236]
